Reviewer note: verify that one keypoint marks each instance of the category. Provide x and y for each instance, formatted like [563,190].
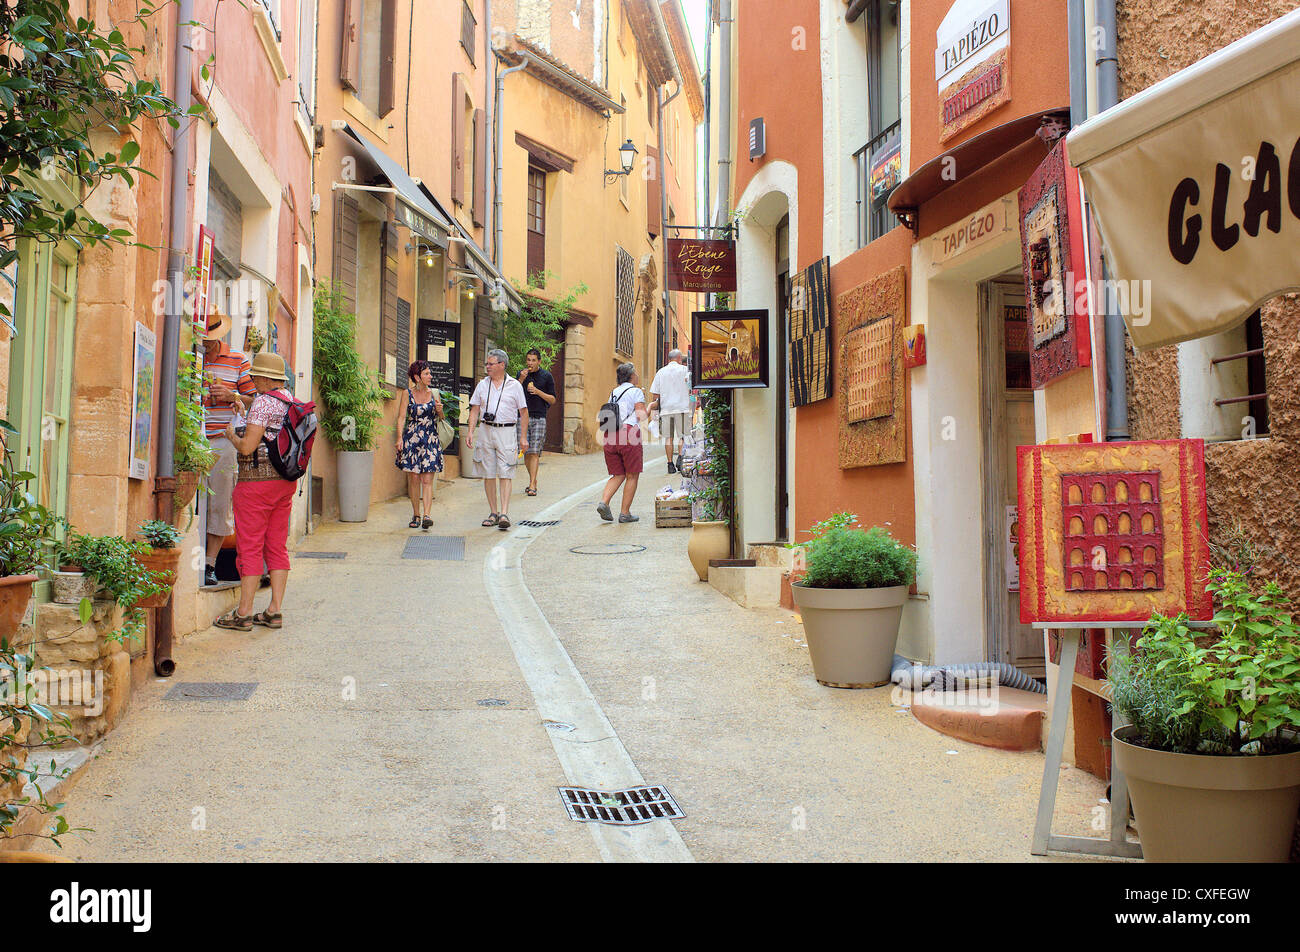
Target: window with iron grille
[625,303]
[468,25]
[1241,368]
[882,153]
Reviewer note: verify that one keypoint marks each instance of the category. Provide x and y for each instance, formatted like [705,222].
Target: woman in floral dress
[418,453]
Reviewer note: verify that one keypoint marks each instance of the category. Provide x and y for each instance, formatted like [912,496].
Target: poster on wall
[699,264]
[1013,550]
[142,401]
[729,349]
[1112,532]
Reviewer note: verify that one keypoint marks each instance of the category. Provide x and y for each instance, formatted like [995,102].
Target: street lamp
[627,156]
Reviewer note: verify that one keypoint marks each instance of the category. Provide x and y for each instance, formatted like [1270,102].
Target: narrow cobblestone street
[445,752]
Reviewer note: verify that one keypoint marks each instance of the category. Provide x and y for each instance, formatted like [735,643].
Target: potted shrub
[119,574]
[351,400]
[851,598]
[1212,748]
[70,585]
[711,532]
[25,528]
[161,558]
[193,456]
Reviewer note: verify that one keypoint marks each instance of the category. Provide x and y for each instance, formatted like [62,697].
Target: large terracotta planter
[187,485]
[851,632]
[1201,808]
[160,560]
[709,540]
[15,593]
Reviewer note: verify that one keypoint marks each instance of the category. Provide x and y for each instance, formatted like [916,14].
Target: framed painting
[142,401]
[729,349]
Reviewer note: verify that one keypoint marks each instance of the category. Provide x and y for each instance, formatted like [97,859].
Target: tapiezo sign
[971,31]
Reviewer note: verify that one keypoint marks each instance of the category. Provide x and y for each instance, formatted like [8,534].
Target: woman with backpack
[419,455]
[262,500]
[620,432]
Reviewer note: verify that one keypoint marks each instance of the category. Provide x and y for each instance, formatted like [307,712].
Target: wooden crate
[672,513]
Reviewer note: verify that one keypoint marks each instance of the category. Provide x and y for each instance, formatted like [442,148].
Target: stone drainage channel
[588,749]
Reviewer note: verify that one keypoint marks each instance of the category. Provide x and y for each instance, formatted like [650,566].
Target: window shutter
[403,352]
[387,56]
[344,271]
[480,168]
[350,46]
[654,222]
[388,306]
[458,139]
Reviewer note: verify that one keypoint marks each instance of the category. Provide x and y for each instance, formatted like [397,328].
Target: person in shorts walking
[539,386]
[623,449]
[498,430]
[670,394]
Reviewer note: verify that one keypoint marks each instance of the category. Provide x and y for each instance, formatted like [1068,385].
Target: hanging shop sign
[700,264]
[142,401]
[990,222]
[1057,294]
[972,63]
[729,349]
[1195,186]
[1112,532]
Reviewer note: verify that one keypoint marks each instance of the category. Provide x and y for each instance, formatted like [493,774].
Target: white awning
[1195,187]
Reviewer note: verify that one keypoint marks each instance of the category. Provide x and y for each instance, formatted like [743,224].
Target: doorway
[1007,421]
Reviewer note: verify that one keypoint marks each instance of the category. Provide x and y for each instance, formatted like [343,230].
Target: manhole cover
[538,525]
[608,548]
[620,807]
[211,691]
[443,548]
[321,555]
[491,702]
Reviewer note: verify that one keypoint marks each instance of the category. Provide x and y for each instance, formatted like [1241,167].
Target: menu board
[439,343]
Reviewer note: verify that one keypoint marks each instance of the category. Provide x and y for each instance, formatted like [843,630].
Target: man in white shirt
[499,405]
[670,393]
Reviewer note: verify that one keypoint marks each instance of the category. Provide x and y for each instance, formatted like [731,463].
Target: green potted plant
[711,533]
[70,585]
[1211,750]
[351,400]
[119,574]
[161,559]
[193,456]
[25,528]
[851,599]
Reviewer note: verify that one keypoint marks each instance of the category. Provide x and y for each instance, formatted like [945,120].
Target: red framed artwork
[1113,532]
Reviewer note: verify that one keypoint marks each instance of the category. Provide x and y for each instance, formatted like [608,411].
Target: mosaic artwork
[869,321]
[1112,532]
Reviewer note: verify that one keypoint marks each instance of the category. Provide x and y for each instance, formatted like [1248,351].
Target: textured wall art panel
[1112,532]
[810,317]
[869,323]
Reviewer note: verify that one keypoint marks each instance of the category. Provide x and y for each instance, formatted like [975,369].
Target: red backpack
[290,450]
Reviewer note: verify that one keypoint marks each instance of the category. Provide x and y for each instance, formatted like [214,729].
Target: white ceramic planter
[851,632]
[69,588]
[355,472]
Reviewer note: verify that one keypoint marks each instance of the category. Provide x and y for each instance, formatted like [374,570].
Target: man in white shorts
[670,393]
[496,410]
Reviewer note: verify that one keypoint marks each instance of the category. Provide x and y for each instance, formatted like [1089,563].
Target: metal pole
[1116,364]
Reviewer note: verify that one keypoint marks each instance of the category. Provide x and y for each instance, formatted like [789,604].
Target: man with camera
[501,406]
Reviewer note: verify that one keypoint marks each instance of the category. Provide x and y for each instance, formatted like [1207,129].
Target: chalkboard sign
[439,343]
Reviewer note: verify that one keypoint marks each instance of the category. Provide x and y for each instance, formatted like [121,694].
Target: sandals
[530,491]
[415,522]
[235,621]
[269,619]
[504,522]
[427,523]
[491,520]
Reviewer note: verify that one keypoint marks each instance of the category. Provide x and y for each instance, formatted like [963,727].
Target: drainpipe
[724,115]
[165,472]
[496,180]
[1116,365]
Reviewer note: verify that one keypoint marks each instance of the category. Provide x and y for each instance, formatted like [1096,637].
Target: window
[625,302]
[468,28]
[273,11]
[307,59]
[1238,384]
[366,58]
[536,206]
[879,162]
[651,102]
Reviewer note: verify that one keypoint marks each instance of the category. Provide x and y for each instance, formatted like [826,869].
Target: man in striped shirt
[228,392]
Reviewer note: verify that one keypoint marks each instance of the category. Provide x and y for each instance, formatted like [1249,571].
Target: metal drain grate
[211,691]
[609,548]
[491,702]
[620,807]
[539,525]
[443,548]
[321,555]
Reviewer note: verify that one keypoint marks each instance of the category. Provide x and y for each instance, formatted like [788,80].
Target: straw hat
[218,326]
[268,365]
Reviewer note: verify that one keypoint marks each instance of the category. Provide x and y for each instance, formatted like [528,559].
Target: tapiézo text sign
[700,264]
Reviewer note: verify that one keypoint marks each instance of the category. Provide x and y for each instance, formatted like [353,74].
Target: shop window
[878,164]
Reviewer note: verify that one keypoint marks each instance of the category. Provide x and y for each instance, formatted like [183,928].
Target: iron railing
[874,218]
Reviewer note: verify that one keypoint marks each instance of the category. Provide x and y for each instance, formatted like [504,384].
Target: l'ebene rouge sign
[700,264]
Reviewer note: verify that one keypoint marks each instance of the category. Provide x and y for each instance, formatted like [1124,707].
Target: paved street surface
[395,718]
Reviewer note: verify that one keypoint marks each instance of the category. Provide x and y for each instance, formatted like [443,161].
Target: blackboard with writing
[439,344]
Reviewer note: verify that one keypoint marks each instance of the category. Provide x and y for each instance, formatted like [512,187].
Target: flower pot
[15,593]
[160,560]
[69,588]
[709,540]
[355,471]
[187,484]
[1202,808]
[851,632]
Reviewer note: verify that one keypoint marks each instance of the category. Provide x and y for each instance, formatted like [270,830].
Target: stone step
[750,587]
[771,555]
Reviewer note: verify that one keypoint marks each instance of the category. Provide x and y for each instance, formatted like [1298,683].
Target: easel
[1044,840]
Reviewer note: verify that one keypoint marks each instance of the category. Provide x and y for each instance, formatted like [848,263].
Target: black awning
[414,208]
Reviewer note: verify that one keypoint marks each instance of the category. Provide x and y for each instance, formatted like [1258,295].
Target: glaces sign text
[695,264]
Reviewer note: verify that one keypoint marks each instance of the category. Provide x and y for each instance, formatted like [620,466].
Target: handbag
[446,433]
